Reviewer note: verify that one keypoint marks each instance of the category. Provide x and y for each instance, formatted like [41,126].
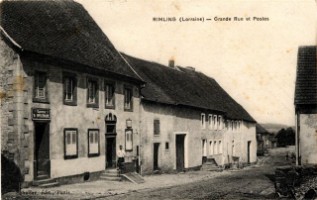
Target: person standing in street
[120,155]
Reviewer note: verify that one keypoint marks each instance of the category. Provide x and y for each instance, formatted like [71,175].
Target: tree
[285,137]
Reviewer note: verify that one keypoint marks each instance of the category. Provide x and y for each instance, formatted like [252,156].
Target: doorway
[41,151]
[248,153]
[180,152]
[156,148]
[110,152]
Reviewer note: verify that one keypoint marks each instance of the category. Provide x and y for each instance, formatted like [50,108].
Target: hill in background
[274,128]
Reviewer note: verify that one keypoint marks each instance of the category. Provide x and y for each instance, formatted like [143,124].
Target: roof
[260,129]
[62,30]
[306,78]
[187,87]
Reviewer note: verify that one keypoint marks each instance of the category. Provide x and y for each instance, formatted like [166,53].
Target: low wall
[296,182]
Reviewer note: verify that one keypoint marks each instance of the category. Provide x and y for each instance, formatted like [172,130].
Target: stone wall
[11,94]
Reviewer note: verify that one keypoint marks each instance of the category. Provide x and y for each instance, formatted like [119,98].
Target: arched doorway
[110,143]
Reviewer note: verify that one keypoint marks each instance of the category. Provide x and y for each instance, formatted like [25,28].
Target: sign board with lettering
[41,114]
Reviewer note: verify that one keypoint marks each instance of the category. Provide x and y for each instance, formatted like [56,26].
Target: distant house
[263,140]
[69,99]
[188,119]
[306,106]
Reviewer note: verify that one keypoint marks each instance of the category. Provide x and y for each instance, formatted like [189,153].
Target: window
[128,140]
[220,147]
[214,120]
[128,99]
[215,147]
[70,89]
[210,148]
[93,142]
[203,120]
[92,93]
[40,87]
[210,121]
[167,145]
[110,95]
[156,127]
[219,122]
[70,143]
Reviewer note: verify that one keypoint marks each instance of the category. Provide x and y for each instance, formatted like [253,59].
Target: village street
[253,182]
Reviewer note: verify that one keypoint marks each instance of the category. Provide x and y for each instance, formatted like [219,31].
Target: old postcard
[175,99]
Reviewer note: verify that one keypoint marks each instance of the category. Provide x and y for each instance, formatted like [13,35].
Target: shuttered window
[93,142]
[70,143]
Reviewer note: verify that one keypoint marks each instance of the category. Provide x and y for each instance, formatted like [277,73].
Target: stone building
[306,106]
[68,98]
[188,119]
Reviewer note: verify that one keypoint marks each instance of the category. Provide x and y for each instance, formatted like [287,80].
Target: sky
[254,61]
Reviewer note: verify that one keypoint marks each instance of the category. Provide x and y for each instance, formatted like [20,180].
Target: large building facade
[69,99]
[306,106]
[66,107]
[187,119]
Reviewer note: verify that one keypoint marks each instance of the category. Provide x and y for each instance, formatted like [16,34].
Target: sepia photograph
[179,99]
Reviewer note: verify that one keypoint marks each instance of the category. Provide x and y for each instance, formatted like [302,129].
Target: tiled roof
[183,86]
[306,79]
[64,30]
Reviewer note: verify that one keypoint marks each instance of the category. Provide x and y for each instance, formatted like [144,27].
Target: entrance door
[156,148]
[110,152]
[41,150]
[180,152]
[249,146]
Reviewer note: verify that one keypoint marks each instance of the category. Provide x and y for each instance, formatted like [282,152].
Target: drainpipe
[297,134]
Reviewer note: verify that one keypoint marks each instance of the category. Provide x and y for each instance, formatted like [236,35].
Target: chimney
[171,63]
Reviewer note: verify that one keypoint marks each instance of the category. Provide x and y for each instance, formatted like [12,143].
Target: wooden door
[248,153]
[180,152]
[110,152]
[156,148]
[41,150]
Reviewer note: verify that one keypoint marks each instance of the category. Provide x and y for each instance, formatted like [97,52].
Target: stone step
[110,174]
[48,185]
[43,181]
[41,177]
[110,178]
[112,170]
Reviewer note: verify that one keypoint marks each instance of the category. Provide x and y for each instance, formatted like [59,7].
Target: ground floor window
[70,143]
[93,142]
